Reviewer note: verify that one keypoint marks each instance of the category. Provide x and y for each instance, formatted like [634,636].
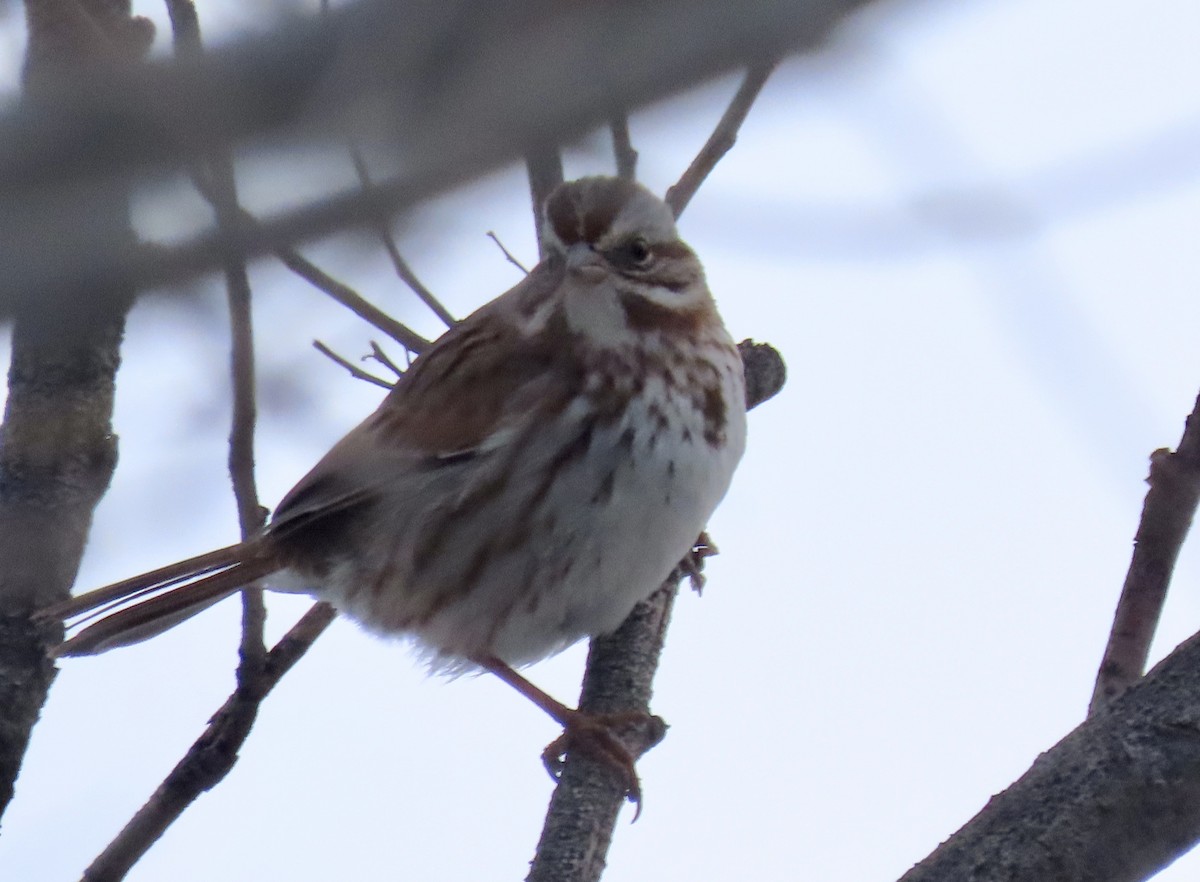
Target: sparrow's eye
[633,254]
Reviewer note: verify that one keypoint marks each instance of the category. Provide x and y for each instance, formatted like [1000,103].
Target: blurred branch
[543,165]
[211,757]
[722,139]
[1167,515]
[624,154]
[452,89]
[620,673]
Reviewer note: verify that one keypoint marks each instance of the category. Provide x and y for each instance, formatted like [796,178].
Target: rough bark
[1116,800]
[57,449]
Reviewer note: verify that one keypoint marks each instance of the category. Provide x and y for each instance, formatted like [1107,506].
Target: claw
[595,736]
[692,565]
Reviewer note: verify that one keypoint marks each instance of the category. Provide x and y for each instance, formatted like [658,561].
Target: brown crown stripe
[606,197]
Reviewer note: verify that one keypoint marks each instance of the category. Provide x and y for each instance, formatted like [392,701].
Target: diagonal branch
[722,139]
[248,228]
[450,95]
[403,270]
[1115,801]
[353,369]
[1167,516]
[211,757]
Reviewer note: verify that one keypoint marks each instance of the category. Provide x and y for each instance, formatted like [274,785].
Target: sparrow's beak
[582,261]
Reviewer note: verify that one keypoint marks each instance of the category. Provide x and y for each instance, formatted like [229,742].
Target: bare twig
[355,371]
[721,140]
[626,157]
[211,757]
[350,299]
[249,227]
[197,771]
[380,356]
[1167,515]
[403,270]
[543,165]
[507,254]
[620,670]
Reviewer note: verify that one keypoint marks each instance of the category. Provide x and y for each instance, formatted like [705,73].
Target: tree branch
[543,165]
[1167,516]
[722,139]
[354,370]
[211,757]
[1116,800]
[624,154]
[403,270]
[58,451]
[235,236]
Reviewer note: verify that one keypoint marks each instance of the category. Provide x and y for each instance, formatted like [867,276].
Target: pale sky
[971,235]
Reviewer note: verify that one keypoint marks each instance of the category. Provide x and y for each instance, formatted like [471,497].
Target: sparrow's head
[610,228]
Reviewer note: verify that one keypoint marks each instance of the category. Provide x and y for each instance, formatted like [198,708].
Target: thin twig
[203,767]
[623,151]
[722,139]
[507,254]
[403,270]
[219,180]
[355,371]
[380,356]
[212,755]
[1167,515]
[350,299]
[319,279]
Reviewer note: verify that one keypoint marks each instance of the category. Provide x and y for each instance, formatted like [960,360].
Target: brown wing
[475,390]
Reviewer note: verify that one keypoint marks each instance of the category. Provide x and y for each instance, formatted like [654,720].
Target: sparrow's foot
[692,565]
[604,737]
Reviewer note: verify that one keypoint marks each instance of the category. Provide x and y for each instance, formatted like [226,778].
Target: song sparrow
[535,474]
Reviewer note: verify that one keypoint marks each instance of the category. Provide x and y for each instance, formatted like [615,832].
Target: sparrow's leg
[595,735]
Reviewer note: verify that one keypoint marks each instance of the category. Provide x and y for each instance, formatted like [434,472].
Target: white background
[970,231]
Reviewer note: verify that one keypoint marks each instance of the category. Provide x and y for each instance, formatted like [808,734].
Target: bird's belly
[536,550]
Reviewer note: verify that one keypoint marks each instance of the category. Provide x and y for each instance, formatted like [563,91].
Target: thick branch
[1115,801]
[58,451]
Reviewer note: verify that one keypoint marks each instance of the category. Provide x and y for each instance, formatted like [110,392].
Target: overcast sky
[971,233]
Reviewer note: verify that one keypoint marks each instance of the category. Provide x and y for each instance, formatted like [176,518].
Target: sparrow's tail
[146,605]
